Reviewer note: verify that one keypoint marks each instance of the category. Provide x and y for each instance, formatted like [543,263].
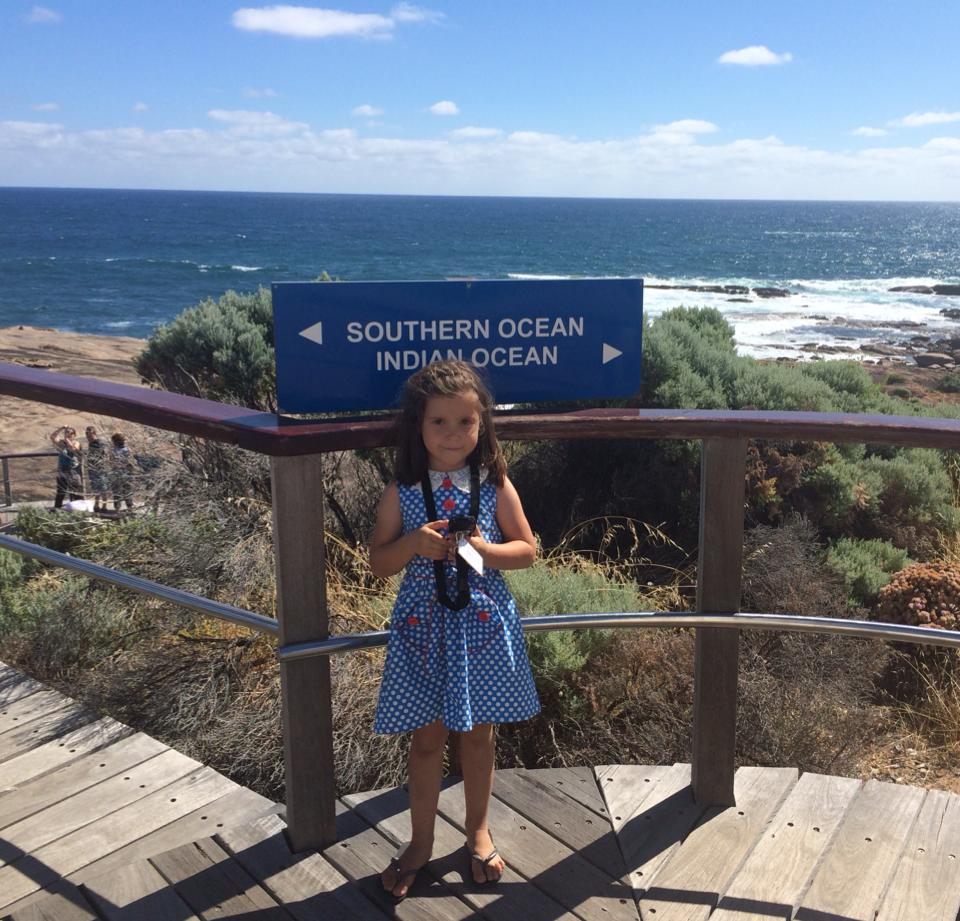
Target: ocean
[122,262]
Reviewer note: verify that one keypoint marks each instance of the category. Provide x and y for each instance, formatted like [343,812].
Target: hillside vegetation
[828,527]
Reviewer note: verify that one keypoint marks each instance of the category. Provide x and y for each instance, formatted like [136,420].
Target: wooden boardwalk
[98,821]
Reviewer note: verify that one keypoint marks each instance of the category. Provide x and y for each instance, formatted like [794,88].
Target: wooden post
[722,470]
[297,485]
[7,495]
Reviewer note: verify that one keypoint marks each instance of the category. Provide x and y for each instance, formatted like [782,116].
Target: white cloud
[46,107]
[252,92]
[921,119]
[445,107]
[754,56]
[140,106]
[367,111]
[261,150]
[867,132]
[243,121]
[316,22]
[40,14]
[471,132]
[407,12]
[686,126]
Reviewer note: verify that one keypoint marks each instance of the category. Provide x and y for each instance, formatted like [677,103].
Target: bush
[949,383]
[221,350]
[865,566]
[926,594]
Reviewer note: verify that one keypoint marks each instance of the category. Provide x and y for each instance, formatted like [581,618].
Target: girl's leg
[425,772]
[477,749]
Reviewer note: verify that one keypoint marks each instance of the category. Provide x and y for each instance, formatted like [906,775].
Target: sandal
[484,863]
[401,876]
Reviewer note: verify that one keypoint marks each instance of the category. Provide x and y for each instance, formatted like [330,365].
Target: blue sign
[351,345]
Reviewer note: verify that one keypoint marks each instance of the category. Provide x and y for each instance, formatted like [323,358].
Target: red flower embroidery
[449,504]
[447,482]
[484,616]
[413,620]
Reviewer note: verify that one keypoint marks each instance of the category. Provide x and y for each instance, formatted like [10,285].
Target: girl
[456,658]
[121,471]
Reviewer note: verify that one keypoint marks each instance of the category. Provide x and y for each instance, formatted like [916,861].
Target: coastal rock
[951,313]
[929,359]
[709,289]
[771,292]
[879,349]
[740,300]
[948,290]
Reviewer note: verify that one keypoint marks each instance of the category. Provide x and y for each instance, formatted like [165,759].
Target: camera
[462,525]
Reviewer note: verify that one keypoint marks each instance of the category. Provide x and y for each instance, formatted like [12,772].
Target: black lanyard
[439,568]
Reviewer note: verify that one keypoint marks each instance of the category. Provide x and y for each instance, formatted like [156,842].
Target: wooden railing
[295,448]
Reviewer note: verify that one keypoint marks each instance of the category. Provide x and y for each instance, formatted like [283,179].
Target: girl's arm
[391,549]
[519,549]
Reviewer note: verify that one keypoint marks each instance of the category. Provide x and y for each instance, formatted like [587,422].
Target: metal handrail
[352,642]
[144,586]
[5,470]
[899,633]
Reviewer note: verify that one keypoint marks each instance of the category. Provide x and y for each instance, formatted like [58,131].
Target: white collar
[460,478]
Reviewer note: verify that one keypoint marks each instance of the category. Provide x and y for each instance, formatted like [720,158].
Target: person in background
[96,469]
[69,465]
[121,471]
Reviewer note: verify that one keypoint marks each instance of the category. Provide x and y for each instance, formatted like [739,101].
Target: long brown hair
[448,378]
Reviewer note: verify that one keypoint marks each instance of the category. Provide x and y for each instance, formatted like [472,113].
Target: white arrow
[609,352]
[315,334]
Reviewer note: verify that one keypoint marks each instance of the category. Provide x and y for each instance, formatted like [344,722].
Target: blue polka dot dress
[462,667]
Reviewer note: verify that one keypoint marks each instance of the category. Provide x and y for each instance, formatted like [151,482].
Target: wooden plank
[625,787]
[49,726]
[37,761]
[298,541]
[137,892]
[511,898]
[579,828]
[579,783]
[722,472]
[213,886]
[306,884]
[63,903]
[689,886]
[236,807]
[779,868]
[27,873]
[15,685]
[21,711]
[89,805]
[361,853]
[552,866]
[32,795]
[926,883]
[863,855]
[650,834]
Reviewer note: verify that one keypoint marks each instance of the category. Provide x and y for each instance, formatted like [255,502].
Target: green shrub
[65,532]
[895,379]
[11,568]
[221,350]
[865,566]
[577,587]
[950,382]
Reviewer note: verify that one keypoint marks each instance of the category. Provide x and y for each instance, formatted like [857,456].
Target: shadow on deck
[100,822]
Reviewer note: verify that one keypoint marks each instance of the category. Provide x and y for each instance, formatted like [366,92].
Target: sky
[824,99]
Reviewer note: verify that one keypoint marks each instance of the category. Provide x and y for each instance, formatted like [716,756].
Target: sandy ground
[25,425]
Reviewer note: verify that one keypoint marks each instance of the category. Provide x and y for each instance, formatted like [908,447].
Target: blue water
[122,262]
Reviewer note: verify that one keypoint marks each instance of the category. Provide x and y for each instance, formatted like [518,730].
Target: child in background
[96,469]
[69,465]
[121,471]
[456,658]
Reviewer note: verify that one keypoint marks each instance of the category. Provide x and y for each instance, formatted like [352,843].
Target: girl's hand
[429,542]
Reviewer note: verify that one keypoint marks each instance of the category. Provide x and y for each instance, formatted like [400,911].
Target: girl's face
[450,429]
